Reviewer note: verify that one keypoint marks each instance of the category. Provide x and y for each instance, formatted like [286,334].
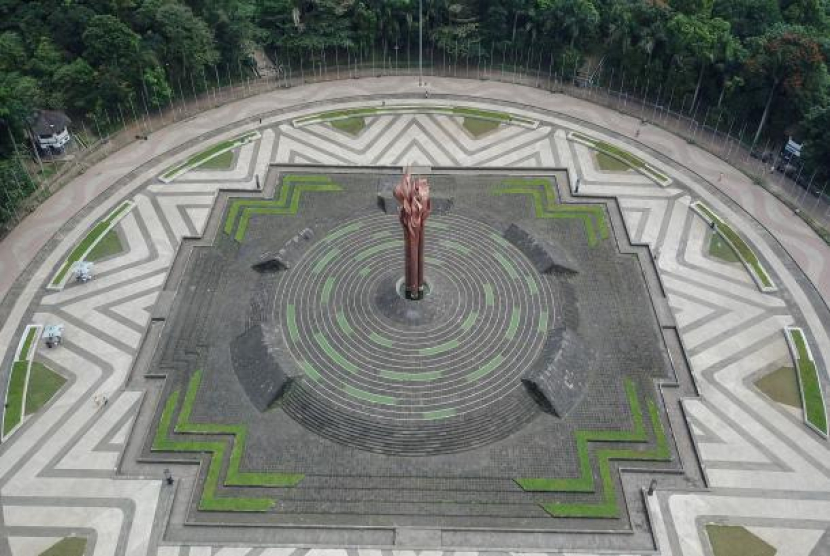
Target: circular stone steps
[408,438]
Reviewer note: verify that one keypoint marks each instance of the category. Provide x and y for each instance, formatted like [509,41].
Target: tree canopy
[762,61]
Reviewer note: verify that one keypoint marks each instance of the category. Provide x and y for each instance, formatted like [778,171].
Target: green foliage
[816,151]
[109,41]
[546,205]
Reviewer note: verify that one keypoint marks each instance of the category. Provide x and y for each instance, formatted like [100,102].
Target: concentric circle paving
[449,365]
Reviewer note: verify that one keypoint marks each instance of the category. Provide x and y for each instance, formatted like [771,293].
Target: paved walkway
[766,471]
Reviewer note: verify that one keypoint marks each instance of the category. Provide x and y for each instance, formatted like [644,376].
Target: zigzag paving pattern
[765,470]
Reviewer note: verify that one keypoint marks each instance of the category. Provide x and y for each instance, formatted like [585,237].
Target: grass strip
[31,332]
[810,387]
[234,477]
[288,202]
[621,154]
[208,153]
[411,377]
[461,111]
[744,250]
[89,240]
[13,411]
[585,482]
[546,205]
[109,245]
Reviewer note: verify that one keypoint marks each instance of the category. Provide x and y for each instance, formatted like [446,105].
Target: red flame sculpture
[413,197]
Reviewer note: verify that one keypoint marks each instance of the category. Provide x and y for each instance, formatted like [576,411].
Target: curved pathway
[765,469]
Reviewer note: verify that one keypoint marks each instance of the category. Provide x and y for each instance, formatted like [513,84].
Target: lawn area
[781,386]
[13,412]
[353,125]
[90,240]
[742,248]
[219,162]
[810,385]
[720,249]
[70,546]
[610,164]
[622,155]
[199,159]
[109,245]
[728,540]
[43,384]
[478,127]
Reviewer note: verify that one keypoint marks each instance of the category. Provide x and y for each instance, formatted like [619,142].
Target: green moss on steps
[585,482]
[219,454]
[546,205]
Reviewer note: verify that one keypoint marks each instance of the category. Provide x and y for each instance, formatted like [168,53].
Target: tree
[816,135]
[78,83]
[109,42]
[189,41]
[574,19]
[701,41]
[788,62]
[748,18]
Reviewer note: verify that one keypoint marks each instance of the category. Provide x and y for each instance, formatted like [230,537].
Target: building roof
[42,121]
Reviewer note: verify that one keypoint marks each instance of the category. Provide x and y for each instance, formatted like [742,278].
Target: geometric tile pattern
[766,471]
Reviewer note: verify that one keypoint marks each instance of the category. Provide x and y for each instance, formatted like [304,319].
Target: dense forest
[759,61]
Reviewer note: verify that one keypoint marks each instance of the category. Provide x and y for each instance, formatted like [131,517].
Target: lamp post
[420,43]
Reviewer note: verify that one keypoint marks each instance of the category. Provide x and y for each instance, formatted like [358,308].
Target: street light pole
[420,43]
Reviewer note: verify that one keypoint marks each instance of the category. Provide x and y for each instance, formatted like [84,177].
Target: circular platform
[450,363]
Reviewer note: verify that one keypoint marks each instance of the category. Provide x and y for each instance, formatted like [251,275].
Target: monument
[413,197]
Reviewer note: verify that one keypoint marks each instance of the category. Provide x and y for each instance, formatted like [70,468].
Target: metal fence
[705,126]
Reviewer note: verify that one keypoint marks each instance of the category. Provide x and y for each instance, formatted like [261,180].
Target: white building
[49,130]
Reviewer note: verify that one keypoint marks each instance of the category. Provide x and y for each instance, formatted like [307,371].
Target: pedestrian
[258,185]
[720,177]
[637,133]
[260,120]
[426,93]
[576,188]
